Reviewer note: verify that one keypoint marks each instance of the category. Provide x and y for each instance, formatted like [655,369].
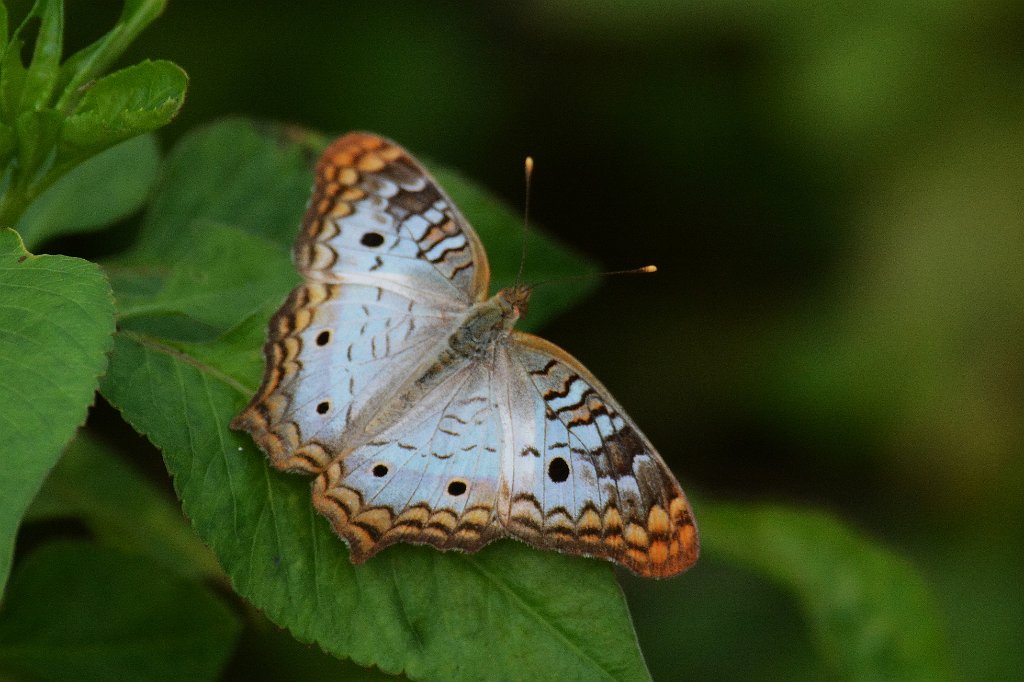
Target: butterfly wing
[578,476]
[431,478]
[376,215]
[332,354]
[389,268]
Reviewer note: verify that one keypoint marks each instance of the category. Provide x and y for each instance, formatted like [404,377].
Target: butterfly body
[489,322]
[425,416]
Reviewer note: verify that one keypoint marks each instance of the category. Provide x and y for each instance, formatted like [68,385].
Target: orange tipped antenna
[528,169]
[647,269]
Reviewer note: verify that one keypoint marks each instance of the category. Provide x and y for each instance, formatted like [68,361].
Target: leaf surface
[56,321]
[81,612]
[121,509]
[102,190]
[90,62]
[871,613]
[126,103]
[412,609]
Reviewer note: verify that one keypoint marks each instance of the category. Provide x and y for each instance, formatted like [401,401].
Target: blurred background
[833,196]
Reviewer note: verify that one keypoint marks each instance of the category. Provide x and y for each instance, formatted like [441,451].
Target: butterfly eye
[380,470]
[558,470]
[456,488]
[323,338]
[323,407]
[372,239]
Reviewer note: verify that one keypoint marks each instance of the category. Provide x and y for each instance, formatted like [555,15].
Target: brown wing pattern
[581,478]
[376,211]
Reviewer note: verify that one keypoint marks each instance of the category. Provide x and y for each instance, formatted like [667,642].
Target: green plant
[55,116]
[191,298]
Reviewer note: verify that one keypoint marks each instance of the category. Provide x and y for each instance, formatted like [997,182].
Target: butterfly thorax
[485,325]
[489,321]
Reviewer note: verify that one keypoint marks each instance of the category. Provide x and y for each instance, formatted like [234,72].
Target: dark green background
[832,196]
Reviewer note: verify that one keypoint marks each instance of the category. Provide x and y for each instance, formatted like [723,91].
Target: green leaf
[81,612]
[12,70]
[872,615]
[12,79]
[91,113]
[102,190]
[56,321]
[121,509]
[411,609]
[124,104]
[216,275]
[37,132]
[4,28]
[87,64]
[8,143]
[279,656]
[21,89]
[231,174]
[41,76]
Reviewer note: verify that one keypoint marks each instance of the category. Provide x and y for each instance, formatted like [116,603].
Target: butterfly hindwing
[431,478]
[581,478]
[376,212]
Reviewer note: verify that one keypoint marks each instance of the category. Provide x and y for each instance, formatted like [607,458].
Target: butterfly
[425,416]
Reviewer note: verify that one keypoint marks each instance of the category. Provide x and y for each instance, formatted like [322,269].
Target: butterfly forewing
[390,266]
[375,212]
[333,352]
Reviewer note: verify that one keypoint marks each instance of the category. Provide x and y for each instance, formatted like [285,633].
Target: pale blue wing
[335,353]
[390,267]
[431,478]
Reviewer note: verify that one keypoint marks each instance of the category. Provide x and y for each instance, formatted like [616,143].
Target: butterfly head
[514,301]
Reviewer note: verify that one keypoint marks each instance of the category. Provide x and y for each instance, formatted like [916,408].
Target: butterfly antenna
[528,169]
[647,269]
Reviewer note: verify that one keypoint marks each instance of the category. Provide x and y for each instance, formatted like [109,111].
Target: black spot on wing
[558,470]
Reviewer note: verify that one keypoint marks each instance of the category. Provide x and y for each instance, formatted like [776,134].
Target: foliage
[192,314]
[82,200]
[56,318]
[192,292]
[55,114]
[415,610]
[145,624]
[871,614]
[53,117]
